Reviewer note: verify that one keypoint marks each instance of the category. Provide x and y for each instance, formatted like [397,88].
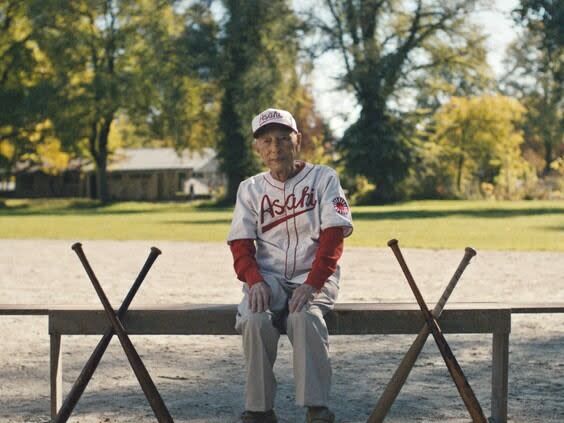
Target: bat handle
[77,247]
[394,245]
[153,254]
[468,254]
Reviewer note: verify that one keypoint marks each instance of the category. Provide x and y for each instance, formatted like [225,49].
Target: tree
[476,140]
[25,130]
[385,47]
[179,100]
[111,57]
[545,17]
[317,138]
[536,76]
[259,61]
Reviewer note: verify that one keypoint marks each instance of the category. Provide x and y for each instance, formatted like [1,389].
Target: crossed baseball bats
[386,400]
[147,385]
[431,327]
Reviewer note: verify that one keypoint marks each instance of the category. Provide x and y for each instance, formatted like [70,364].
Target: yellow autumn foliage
[480,139]
[7,149]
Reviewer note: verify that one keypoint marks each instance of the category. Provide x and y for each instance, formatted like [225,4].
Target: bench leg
[56,358]
[500,373]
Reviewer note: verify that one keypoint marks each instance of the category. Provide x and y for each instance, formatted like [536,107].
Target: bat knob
[392,242]
[470,251]
[155,250]
[77,246]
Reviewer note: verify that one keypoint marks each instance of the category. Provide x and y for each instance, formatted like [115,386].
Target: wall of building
[147,185]
[38,184]
[150,185]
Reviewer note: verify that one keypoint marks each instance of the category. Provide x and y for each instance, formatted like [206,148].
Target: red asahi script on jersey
[273,208]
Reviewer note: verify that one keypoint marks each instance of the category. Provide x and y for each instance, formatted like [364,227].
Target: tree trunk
[459,173]
[102,183]
[374,147]
[547,157]
[102,159]
[234,151]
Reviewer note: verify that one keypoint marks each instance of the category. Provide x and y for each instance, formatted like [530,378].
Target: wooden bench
[345,319]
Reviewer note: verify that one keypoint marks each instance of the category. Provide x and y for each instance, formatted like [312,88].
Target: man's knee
[304,319]
[255,322]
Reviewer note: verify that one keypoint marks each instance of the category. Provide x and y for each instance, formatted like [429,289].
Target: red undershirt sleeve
[329,252]
[244,261]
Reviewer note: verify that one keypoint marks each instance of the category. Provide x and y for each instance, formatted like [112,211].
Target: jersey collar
[290,181]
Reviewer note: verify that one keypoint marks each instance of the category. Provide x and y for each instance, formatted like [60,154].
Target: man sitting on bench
[297,214]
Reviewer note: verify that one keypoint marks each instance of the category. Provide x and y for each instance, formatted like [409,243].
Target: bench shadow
[86,209]
[494,213]
[71,211]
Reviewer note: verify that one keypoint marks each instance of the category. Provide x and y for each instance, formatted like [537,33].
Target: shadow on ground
[430,214]
[95,208]
[215,392]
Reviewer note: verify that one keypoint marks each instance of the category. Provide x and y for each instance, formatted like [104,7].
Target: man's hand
[259,296]
[302,294]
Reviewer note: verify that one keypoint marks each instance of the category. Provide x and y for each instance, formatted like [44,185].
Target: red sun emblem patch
[340,205]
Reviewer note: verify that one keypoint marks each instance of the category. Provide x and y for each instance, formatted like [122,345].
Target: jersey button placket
[288,262]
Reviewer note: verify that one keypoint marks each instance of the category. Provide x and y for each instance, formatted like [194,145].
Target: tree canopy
[260,57]
[474,144]
[25,128]
[391,48]
[536,76]
[80,78]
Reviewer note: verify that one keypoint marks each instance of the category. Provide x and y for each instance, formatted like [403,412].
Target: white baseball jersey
[286,218]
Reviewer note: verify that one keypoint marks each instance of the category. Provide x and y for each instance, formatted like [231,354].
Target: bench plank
[219,319]
[536,308]
[24,309]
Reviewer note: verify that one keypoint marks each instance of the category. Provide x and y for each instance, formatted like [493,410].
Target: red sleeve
[244,261]
[329,252]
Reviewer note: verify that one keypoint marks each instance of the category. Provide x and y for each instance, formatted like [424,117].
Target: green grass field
[519,225]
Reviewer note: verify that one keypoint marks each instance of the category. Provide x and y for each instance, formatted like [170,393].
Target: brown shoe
[319,415]
[259,417]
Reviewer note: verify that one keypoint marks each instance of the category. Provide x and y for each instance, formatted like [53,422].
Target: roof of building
[139,159]
[159,159]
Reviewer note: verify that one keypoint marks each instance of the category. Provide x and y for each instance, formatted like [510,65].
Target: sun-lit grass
[520,225]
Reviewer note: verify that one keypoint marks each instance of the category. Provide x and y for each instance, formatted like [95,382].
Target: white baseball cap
[281,117]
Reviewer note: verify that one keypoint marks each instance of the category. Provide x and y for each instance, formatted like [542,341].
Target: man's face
[278,147]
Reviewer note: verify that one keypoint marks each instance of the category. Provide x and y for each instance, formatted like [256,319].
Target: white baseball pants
[308,334]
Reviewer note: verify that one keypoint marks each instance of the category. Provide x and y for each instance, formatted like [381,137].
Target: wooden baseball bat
[149,388]
[402,372]
[466,392]
[90,367]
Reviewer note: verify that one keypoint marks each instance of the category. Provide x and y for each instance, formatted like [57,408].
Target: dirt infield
[201,377]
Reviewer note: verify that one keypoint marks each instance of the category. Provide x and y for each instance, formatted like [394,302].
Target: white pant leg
[260,345]
[310,340]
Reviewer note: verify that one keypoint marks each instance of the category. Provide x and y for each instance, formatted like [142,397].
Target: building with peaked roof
[145,174]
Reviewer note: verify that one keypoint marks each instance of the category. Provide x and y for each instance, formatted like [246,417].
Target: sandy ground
[201,377]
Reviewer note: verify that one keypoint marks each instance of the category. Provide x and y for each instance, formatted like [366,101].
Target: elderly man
[297,215]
